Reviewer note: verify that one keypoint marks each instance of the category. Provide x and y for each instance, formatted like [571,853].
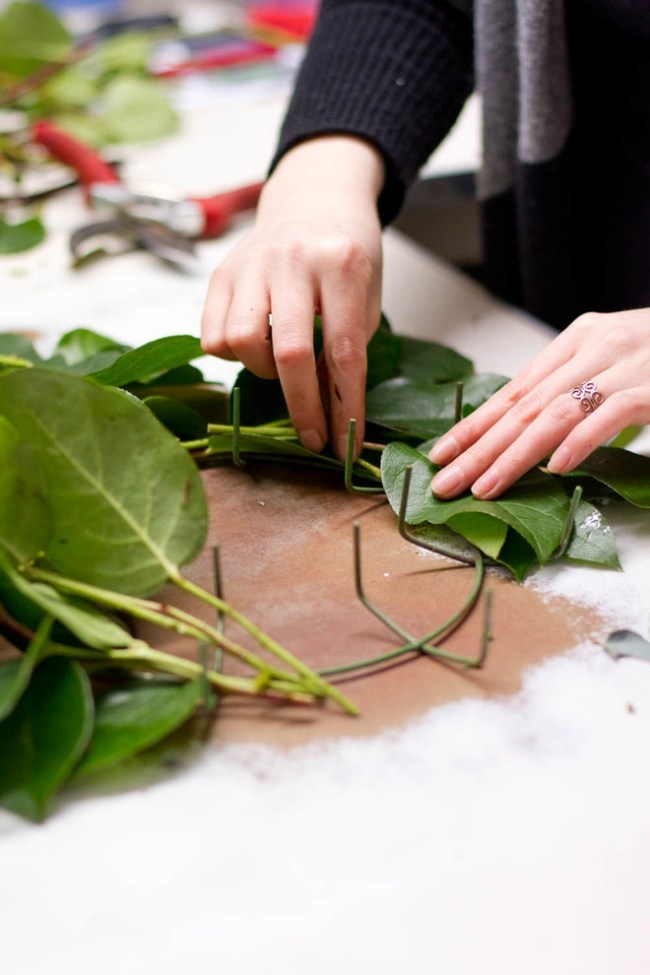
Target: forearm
[393,73]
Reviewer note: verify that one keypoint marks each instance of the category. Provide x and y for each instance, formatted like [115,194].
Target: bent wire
[422,543]
[423,644]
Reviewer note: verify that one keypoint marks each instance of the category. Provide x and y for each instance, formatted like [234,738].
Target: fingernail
[486,486]
[448,481]
[561,461]
[444,451]
[312,440]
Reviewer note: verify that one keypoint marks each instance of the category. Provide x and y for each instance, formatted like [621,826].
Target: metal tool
[149,218]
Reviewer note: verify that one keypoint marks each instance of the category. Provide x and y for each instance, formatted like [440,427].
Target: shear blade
[122,234]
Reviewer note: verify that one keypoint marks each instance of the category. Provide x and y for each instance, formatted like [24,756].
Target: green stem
[171,617]
[146,658]
[268,430]
[160,614]
[264,640]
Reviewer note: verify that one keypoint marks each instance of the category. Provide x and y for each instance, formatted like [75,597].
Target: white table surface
[502,836]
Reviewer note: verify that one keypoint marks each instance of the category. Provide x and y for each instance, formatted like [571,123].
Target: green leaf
[130,719]
[426,363]
[79,344]
[18,237]
[25,522]
[150,360]
[30,36]
[517,555]
[383,351]
[89,129]
[626,643]
[185,375]
[70,89]
[136,110]
[262,400]
[536,507]
[626,473]
[592,539]
[129,51]
[18,346]
[271,448]
[43,738]
[90,625]
[15,674]
[179,418]
[423,411]
[481,530]
[127,502]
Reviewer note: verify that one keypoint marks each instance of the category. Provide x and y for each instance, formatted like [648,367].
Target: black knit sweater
[565,182]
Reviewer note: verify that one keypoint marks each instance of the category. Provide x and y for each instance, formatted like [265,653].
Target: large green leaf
[23,599]
[420,410]
[150,360]
[427,363]
[130,719]
[626,473]
[79,344]
[30,36]
[536,507]
[25,522]
[43,738]
[179,418]
[127,502]
[592,539]
[136,109]
[15,674]
[18,346]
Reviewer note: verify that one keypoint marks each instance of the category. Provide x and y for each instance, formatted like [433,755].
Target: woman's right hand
[315,247]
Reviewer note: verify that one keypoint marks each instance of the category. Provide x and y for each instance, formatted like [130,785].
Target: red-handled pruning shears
[165,224]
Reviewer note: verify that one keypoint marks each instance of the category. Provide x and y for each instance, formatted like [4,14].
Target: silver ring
[588,395]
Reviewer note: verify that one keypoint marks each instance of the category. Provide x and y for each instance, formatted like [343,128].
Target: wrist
[336,160]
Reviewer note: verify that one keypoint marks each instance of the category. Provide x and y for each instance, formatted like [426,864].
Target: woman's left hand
[590,383]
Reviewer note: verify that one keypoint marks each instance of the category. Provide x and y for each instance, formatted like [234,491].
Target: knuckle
[589,321]
[527,408]
[346,354]
[242,339]
[513,392]
[293,353]
[476,458]
[630,402]
[562,409]
[290,252]
[212,342]
[348,255]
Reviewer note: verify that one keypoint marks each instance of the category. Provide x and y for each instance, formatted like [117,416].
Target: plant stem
[264,640]
[147,658]
[264,430]
[160,614]
[171,617]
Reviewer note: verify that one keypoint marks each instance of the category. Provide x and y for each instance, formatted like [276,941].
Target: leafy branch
[97,515]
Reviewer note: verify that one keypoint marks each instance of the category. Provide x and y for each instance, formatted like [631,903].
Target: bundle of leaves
[101,503]
[100,506]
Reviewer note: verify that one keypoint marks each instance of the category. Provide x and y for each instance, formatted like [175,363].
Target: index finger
[469,430]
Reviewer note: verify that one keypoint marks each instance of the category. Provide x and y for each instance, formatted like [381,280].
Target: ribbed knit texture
[395,73]
[565,89]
